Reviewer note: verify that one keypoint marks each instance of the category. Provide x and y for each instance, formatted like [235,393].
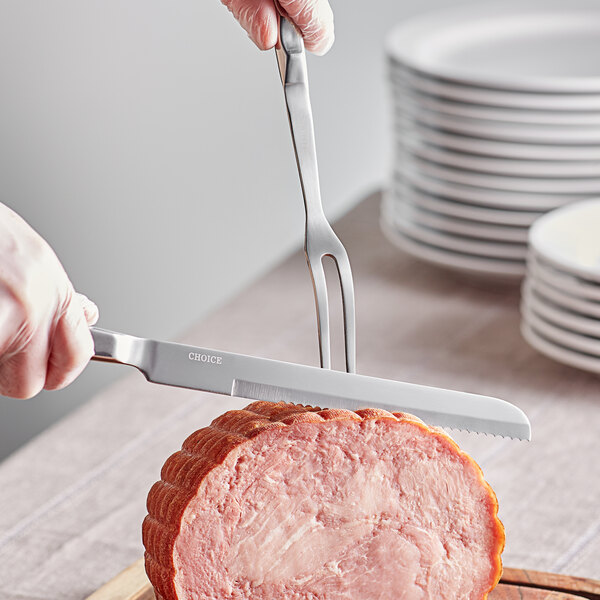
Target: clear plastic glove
[45,340]
[259,18]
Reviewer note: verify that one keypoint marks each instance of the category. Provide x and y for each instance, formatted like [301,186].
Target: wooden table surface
[72,500]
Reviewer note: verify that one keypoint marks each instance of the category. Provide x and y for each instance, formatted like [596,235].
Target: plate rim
[485,164]
[586,290]
[494,148]
[418,28]
[470,94]
[456,225]
[495,114]
[499,199]
[495,182]
[464,263]
[399,187]
[555,315]
[461,243]
[507,131]
[560,354]
[587,345]
[574,303]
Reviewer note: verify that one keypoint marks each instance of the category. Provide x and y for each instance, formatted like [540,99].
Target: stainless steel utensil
[262,379]
[320,239]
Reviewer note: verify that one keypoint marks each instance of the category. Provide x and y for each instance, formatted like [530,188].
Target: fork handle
[291,59]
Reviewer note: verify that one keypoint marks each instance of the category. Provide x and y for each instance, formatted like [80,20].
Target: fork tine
[317,274]
[346,283]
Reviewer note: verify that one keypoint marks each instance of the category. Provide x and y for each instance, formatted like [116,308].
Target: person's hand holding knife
[45,340]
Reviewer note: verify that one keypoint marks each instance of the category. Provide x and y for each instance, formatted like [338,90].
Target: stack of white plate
[561,293]
[497,121]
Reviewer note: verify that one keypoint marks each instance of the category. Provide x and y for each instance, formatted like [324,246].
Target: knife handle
[113,346]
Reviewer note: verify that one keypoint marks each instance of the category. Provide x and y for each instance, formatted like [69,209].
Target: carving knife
[256,378]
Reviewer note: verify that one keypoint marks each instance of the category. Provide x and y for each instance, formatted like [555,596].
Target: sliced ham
[279,501]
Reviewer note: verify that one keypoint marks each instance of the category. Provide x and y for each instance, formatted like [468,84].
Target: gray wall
[147,141]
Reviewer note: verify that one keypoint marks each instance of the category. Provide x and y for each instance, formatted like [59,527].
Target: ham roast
[280,501]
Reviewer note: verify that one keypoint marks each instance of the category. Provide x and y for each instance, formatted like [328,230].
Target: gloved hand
[44,325]
[259,18]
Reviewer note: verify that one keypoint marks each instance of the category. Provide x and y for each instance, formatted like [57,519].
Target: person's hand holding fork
[313,18]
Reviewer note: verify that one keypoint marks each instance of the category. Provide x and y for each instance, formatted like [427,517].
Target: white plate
[500,166]
[559,353]
[558,335]
[454,208]
[407,211]
[570,284]
[569,238]
[465,263]
[495,148]
[561,318]
[585,307]
[493,97]
[482,196]
[510,132]
[570,187]
[458,243]
[545,46]
[495,114]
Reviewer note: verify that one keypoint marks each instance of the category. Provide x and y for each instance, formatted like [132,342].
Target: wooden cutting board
[516,584]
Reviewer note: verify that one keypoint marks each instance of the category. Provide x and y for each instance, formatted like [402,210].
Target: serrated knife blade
[256,378]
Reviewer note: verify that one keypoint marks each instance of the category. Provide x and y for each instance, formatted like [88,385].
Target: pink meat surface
[285,502]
